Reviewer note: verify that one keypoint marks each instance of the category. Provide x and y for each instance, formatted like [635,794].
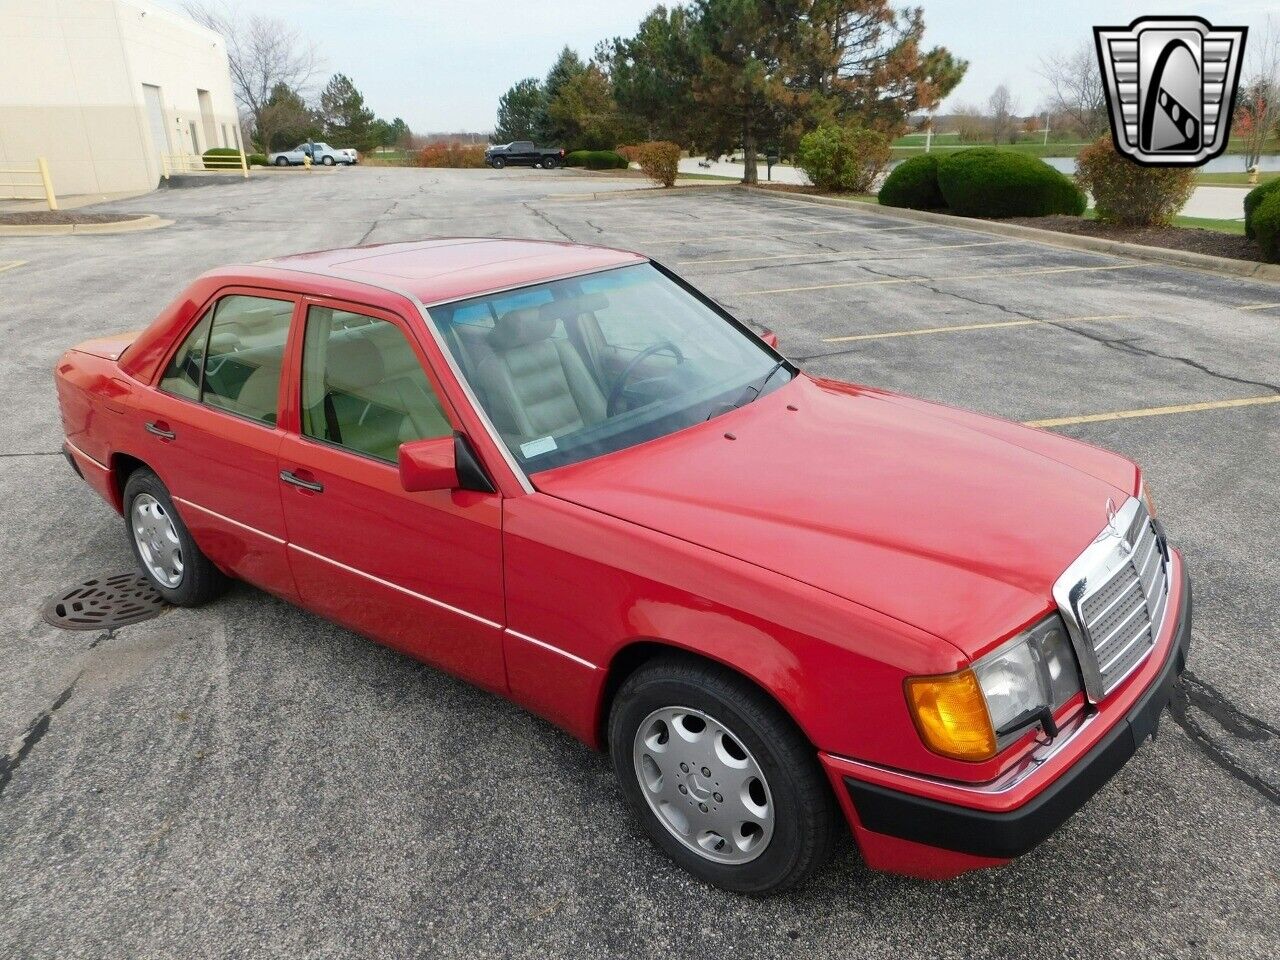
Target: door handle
[161,430]
[288,476]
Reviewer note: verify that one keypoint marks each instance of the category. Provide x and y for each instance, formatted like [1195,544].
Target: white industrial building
[104,89]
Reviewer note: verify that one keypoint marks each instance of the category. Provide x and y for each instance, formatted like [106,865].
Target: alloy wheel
[157,540]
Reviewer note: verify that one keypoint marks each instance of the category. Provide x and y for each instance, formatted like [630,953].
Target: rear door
[212,433]
[421,572]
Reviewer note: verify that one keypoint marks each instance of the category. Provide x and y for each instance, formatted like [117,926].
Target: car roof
[454,268]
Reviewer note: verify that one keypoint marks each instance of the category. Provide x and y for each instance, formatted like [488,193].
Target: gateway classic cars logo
[1171,87]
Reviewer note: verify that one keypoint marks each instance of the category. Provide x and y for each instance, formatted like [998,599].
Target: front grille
[1117,594]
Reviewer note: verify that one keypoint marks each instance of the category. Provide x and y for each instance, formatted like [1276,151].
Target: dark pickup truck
[523,153]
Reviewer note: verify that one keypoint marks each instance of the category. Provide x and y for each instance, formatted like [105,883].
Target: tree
[584,112]
[284,120]
[867,57]
[347,121]
[652,76]
[567,66]
[263,53]
[1076,91]
[1258,112]
[521,112]
[1003,106]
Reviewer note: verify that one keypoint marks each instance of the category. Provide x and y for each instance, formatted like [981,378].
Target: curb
[639,192]
[149,222]
[1223,266]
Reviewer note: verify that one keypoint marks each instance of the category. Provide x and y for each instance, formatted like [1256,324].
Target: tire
[327,161]
[282,161]
[744,737]
[498,163]
[199,581]
[549,163]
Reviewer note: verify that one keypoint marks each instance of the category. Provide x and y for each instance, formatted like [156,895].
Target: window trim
[207,309]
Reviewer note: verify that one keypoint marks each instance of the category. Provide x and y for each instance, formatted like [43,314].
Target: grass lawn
[1235,227]
[705,176]
[1032,148]
[1233,179]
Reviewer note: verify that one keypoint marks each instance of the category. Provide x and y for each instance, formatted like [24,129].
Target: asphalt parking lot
[246,780]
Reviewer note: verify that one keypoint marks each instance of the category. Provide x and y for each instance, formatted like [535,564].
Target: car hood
[955,523]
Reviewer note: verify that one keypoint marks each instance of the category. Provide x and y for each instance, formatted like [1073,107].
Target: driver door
[421,572]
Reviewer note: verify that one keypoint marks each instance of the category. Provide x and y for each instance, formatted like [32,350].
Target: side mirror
[771,338]
[428,465]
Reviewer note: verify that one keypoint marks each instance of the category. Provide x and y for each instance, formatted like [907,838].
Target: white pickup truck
[323,153]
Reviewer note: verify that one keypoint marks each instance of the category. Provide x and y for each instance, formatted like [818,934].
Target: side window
[246,351]
[182,376]
[363,387]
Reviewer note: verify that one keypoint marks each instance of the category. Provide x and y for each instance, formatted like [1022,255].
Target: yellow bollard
[1253,175]
[49,196]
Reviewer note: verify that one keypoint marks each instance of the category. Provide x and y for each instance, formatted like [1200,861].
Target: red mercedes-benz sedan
[562,473]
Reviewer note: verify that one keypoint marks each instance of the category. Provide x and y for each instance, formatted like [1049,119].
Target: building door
[155,120]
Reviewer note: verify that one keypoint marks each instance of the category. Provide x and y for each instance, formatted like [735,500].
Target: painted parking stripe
[889,281]
[851,254]
[1155,411]
[10,264]
[780,234]
[960,327]
[1260,306]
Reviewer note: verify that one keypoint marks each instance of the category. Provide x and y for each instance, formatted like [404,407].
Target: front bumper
[953,837]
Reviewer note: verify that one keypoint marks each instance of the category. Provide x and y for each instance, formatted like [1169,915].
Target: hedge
[257,159]
[223,158]
[844,158]
[913,183]
[1130,194]
[1266,225]
[1253,199]
[596,160]
[985,182]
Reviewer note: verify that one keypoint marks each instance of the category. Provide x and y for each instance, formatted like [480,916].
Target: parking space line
[780,234]
[1259,306]
[851,254]
[888,281]
[10,264]
[960,327]
[1155,411]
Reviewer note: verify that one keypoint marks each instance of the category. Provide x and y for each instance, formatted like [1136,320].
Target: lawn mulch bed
[1193,239]
[53,218]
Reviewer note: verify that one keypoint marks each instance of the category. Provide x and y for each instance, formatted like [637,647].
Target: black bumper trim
[1006,835]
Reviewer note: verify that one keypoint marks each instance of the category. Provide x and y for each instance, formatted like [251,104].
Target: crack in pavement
[377,222]
[1193,694]
[33,453]
[548,221]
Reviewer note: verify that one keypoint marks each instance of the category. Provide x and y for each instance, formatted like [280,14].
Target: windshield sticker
[536,448]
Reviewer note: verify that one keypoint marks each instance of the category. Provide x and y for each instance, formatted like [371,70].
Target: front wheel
[720,777]
[498,163]
[549,163]
[163,546]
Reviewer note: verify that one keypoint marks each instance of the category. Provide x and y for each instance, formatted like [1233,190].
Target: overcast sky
[442,64]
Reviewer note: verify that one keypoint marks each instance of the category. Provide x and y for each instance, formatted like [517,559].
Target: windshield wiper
[763,383]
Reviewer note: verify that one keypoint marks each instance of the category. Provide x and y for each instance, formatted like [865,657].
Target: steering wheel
[624,378]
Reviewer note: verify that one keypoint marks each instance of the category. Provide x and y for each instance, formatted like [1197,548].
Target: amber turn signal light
[951,715]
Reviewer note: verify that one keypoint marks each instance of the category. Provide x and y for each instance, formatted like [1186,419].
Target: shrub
[843,158]
[1253,199]
[257,159]
[596,160]
[913,183]
[1266,225]
[985,182]
[221,158]
[458,155]
[660,161]
[1129,194]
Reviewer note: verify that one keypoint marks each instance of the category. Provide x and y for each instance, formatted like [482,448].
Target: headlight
[973,714]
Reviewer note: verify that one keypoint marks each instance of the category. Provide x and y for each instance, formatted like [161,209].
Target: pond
[1225,164]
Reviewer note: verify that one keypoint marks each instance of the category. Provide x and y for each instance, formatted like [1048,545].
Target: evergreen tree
[347,121]
[521,112]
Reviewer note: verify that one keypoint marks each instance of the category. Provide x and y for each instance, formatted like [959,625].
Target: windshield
[577,368]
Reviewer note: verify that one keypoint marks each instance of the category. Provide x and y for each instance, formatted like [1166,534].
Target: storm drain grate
[105,603]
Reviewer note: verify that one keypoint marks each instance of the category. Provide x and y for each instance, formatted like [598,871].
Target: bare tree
[1075,89]
[1258,112]
[1003,107]
[264,54]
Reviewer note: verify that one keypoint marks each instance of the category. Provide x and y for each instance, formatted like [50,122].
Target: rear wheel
[163,546]
[720,777]
[327,161]
[282,161]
